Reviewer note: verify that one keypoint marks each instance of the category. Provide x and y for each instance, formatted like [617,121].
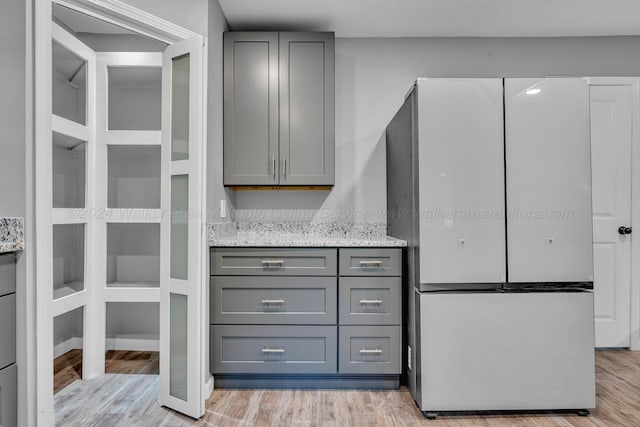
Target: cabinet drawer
[370,349]
[7,274]
[9,396]
[273,300]
[370,262]
[263,349]
[274,262]
[7,330]
[370,301]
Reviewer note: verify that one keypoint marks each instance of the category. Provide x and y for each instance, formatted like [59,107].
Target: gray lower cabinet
[274,300]
[261,349]
[278,314]
[8,368]
[279,101]
[370,349]
[7,330]
[8,396]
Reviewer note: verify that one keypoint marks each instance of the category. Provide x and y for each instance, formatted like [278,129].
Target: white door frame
[41,309]
[634,302]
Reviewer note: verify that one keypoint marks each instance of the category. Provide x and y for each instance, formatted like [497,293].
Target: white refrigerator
[489,182]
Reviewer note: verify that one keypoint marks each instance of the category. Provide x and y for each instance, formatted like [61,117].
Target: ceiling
[438,18]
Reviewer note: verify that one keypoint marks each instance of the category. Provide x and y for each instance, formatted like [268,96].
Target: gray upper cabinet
[279,100]
[251,108]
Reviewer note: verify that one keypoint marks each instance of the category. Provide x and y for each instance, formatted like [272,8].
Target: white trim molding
[131,18]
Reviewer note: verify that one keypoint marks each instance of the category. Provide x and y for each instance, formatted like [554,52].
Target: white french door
[181,271]
[611,142]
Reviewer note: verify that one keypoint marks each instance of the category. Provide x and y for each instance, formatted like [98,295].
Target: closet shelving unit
[105,200]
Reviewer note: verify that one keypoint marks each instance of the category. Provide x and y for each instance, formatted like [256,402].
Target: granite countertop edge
[11,234]
[373,242]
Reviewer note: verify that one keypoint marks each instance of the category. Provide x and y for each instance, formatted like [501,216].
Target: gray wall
[372,77]
[12,108]
[215,189]
[190,14]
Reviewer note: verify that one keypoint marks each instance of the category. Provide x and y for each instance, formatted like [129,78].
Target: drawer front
[7,274]
[273,300]
[7,330]
[237,349]
[9,396]
[369,350]
[370,262]
[274,262]
[370,301]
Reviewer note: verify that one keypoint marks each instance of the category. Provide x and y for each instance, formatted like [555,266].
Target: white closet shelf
[69,216]
[68,288]
[132,292]
[71,300]
[69,128]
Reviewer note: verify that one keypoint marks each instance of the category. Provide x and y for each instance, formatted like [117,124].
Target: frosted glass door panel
[133,255]
[134,177]
[548,155]
[69,172]
[180,108]
[179,226]
[461,181]
[135,98]
[68,259]
[69,84]
[178,353]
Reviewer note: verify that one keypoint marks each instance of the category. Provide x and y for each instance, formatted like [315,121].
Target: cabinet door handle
[273,350]
[370,301]
[267,263]
[274,167]
[370,351]
[284,166]
[272,301]
[376,263]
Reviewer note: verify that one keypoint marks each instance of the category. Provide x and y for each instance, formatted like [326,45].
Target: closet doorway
[119,115]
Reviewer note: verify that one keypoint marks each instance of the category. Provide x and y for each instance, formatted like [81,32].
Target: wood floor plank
[131,400]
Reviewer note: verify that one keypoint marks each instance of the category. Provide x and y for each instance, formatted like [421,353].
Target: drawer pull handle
[273,350]
[370,351]
[371,301]
[272,263]
[272,301]
[371,264]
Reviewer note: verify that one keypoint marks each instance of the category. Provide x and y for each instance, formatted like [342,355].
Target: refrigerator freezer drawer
[506,351]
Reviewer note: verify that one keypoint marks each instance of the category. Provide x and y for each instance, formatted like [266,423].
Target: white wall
[372,77]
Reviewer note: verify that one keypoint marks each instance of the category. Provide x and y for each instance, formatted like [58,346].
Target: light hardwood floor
[130,400]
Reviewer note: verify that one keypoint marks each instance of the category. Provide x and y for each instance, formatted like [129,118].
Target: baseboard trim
[132,344]
[73,343]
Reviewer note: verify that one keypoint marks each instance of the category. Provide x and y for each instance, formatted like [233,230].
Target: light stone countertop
[11,234]
[297,234]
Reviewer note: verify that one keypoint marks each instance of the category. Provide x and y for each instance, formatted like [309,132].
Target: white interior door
[181,277]
[611,133]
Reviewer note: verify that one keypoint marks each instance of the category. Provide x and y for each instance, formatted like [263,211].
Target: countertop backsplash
[11,234]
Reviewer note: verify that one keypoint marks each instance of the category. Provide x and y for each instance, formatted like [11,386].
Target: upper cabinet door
[307,140]
[548,158]
[461,181]
[251,108]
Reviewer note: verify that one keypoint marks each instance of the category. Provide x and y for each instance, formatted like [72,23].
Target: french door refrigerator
[489,182]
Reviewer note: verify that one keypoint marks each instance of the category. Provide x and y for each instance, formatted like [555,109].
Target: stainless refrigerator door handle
[370,351]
